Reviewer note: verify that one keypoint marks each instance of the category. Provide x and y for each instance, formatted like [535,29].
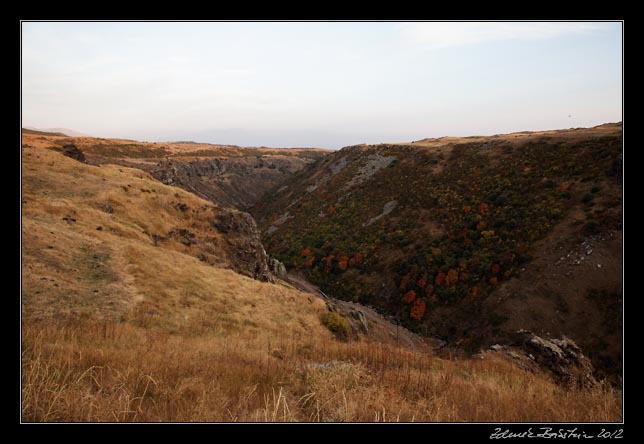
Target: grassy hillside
[116,328]
[427,231]
[228,175]
[133,149]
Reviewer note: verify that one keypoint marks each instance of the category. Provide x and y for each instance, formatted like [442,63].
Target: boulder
[105,206]
[277,268]
[561,357]
[72,151]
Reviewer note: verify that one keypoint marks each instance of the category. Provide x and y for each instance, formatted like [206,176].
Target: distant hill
[41,133]
[232,176]
[58,131]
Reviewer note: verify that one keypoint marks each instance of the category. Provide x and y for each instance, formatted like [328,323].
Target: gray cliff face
[231,182]
[248,256]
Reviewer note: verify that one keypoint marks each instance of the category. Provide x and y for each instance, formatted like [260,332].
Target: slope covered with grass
[118,326]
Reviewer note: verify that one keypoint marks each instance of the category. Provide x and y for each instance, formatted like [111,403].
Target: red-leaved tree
[452,277]
[417,310]
[409,296]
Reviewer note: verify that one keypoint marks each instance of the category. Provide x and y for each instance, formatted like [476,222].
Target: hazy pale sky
[318,84]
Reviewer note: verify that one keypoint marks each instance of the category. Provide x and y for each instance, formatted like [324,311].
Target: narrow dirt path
[380,329]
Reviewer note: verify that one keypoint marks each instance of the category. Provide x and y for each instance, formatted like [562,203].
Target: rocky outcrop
[247,253]
[72,151]
[562,358]
[277,268]
[356,318]
[238,182]
[360,320]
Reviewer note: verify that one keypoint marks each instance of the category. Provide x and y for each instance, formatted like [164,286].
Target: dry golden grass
[116,329]
[91,371]
[135,148]
[570,135]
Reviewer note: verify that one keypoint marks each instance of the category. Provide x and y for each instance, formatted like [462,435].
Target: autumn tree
[452,277]
[417,310]
[343,262]
[310,260]
[306,252]
[409,296]
[356,259]
[422,281]
[440,278]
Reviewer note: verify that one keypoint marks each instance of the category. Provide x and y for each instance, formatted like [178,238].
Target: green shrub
[338,325]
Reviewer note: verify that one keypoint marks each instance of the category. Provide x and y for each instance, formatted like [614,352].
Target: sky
[319,84]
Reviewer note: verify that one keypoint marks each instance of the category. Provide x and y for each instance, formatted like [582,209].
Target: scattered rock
[184,236]
[386,209]
[181,206]
[325,365]
[277,268]
[68,218]
[105,206]
[73,152]
[374,163]
[99,228]
[361,318]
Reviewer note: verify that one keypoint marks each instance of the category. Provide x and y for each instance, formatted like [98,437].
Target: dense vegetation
[464,217]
